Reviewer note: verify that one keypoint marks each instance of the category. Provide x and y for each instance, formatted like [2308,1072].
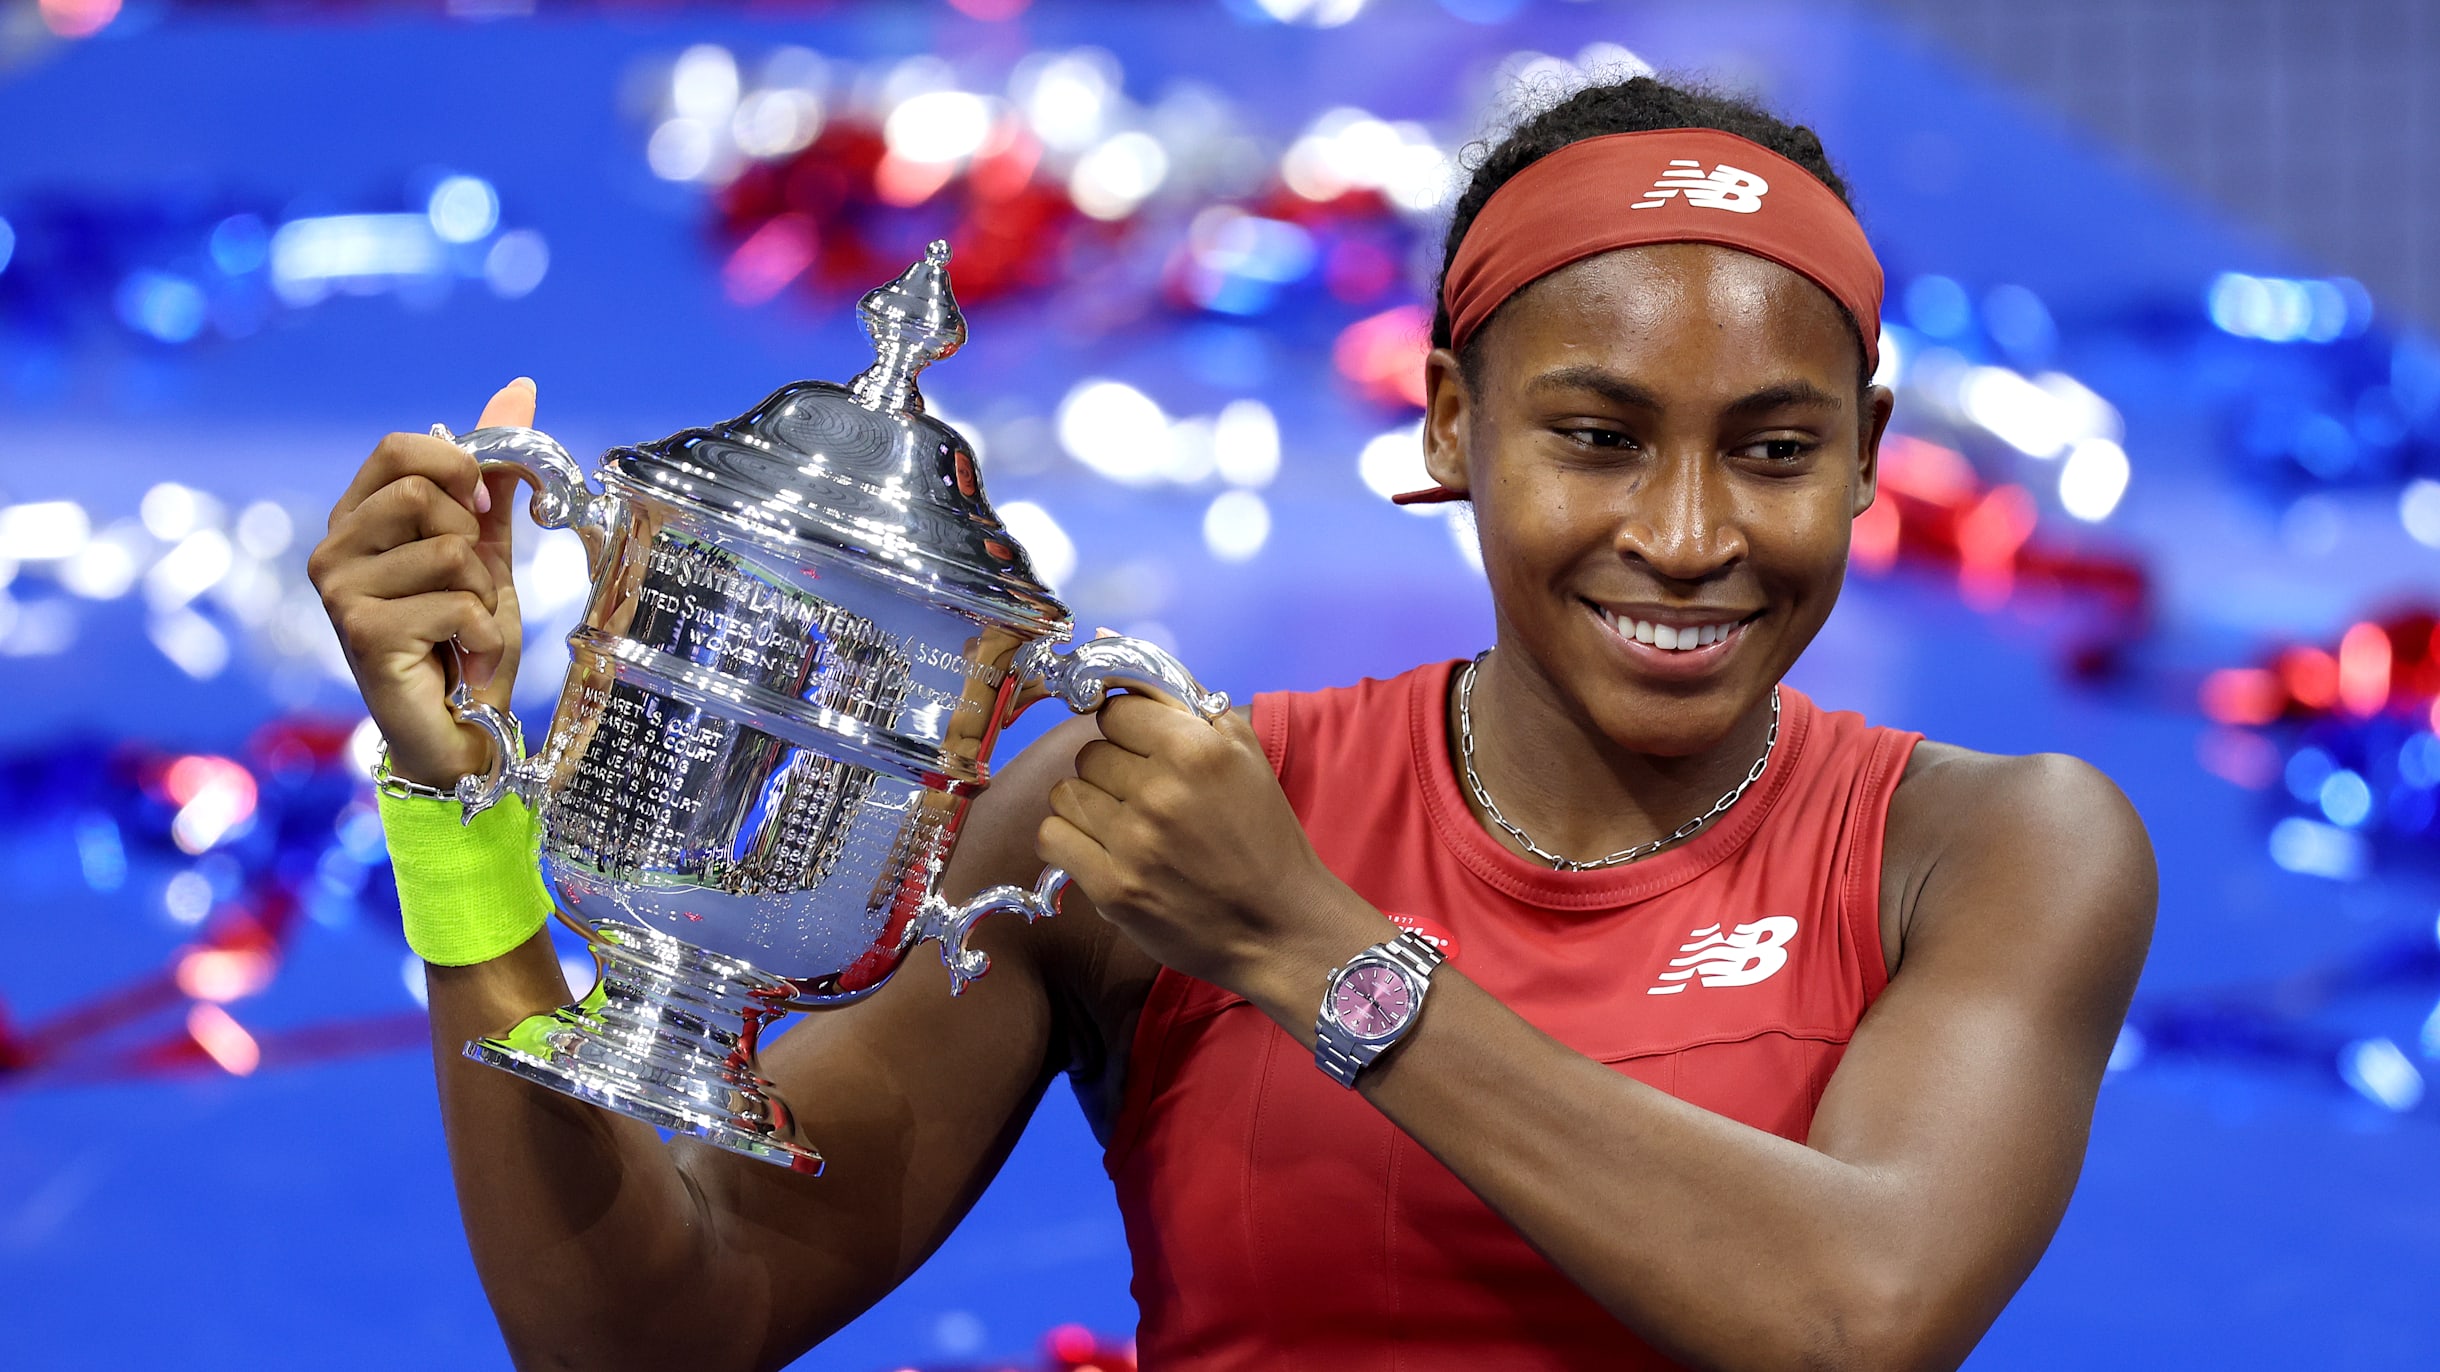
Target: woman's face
[1665,446]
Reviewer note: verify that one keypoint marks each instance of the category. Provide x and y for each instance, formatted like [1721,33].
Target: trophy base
[666,1036]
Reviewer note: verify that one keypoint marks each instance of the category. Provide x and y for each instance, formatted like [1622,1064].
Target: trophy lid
[860,472]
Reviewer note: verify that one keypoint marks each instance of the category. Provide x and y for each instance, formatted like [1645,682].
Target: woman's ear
[1447,408]
[1879,401]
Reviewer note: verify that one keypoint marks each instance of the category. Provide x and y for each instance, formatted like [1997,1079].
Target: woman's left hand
[1178,830]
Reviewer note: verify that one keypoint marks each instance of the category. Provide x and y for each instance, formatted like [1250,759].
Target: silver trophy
[805,632]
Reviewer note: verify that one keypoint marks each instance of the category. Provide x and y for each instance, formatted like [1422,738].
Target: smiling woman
[1657,1016]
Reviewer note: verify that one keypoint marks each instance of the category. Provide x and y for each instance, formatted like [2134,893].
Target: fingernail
[525,381]
[482,497]
[1105,633]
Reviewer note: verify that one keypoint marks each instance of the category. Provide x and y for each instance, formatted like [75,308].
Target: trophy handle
[562,500]
[1082,679]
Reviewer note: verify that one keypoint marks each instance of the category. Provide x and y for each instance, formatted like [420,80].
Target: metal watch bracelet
[1338,1051]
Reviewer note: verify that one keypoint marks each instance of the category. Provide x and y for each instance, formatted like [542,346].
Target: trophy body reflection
[806,630]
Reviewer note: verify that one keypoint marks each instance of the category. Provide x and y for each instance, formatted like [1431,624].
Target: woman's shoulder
[2046,819]
[1313,724]
[1946,781]
[1363,695]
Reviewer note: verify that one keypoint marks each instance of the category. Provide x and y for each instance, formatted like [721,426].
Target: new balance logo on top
[1723,188]
[1749,954]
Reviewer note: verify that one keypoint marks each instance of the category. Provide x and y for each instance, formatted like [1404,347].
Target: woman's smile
[1673,644]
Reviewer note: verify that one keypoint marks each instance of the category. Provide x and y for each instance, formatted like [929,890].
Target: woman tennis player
[1598,1002]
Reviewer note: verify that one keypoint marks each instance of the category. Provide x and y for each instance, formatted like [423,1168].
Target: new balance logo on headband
[1723,188]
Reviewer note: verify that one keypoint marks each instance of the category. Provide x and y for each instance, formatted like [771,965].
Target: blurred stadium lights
[2419,510]
[1938,308]
[240,244]
[42,531]
[2093,480]
[1245,444]
[163,305]
[187,897]
[2382,1073]
[310,256]
[2311,848]
[221,975]
[1067,97]
[939,126]
[1237,262]
[2282,310]
[78,18]
[463,209]
[1392,462]
[1236,525]
[416,253]
[1116,430]
[2018,321]
[1347,149]
[2015,410]
[1118,175]
[1896,343]
[223,1039]
[1320,14]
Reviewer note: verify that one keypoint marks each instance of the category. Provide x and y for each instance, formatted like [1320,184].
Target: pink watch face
[1372,1000]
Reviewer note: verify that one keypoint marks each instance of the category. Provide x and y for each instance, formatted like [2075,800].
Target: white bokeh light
[2093,479]
[106,567]
[1067,97]
[1116,430]
[774,123]
[703,85]
[42,530]
[680,150]
[938,126]
[1245,444]
[265,529]
[2020,413]
[516,264]
[463,209]
[2419,511]
[1236,525]
[1113,179]
[1393,462]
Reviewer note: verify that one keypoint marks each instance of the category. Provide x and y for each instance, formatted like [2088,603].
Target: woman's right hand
[417,554]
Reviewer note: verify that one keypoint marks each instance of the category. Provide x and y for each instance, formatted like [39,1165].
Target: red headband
[1689,186]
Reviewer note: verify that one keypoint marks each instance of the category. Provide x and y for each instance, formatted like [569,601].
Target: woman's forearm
[590,1243]
[1722,1244]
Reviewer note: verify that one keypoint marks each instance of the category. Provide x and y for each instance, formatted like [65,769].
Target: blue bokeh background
[2236,1210]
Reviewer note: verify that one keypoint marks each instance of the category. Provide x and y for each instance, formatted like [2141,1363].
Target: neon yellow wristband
[467,893]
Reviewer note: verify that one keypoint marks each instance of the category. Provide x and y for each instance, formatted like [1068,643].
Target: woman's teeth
[1672,639]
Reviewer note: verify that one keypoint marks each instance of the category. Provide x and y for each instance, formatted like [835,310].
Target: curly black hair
[1636,105]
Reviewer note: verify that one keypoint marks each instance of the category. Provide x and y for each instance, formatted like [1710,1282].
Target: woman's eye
[1780,449]
[1599,438]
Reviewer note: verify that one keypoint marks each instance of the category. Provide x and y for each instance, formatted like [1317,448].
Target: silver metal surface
[805,632]
[1482,796]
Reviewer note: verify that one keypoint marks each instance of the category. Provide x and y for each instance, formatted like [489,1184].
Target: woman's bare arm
[599,1245]
[1941,1157]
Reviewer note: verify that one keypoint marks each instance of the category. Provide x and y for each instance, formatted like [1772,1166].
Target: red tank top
[1278,1221]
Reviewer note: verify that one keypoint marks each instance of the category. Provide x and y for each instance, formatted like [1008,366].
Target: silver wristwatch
[1371,1003]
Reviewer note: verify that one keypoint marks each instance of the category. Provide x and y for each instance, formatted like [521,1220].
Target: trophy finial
[914,322]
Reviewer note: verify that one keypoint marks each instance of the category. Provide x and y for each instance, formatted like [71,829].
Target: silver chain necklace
[1482,797]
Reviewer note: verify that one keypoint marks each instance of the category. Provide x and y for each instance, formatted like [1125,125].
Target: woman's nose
[1680,524]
